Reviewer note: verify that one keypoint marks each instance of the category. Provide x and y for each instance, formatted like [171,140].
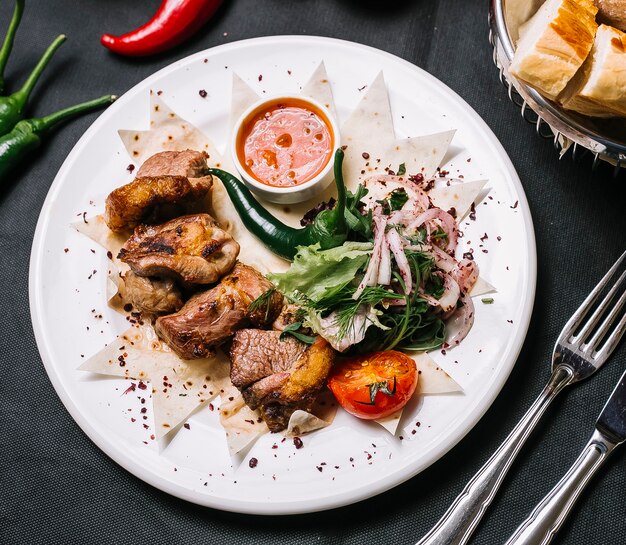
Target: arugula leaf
[292,329]
[315,271]
[398,198]
[401,169]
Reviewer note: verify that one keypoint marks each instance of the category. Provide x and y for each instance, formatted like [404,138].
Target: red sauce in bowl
[285,142]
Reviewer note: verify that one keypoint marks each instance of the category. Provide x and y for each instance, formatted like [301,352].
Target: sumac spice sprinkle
[202,93]
[130,168]
[298,442]
[365,155]
[253,462]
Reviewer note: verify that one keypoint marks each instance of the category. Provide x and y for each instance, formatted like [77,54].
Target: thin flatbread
[178,386]
[432,380]
[168,132]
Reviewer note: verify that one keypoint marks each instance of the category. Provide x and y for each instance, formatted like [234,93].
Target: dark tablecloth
[57,487]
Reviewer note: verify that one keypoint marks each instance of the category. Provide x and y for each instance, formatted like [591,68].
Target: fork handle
[462,517]
[546,519]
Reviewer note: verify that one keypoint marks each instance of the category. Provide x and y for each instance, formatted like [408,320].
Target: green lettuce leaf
[314,271]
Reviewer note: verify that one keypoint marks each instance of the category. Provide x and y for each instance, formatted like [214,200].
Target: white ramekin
[297,193]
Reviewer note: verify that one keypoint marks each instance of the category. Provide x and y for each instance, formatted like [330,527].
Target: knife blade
[548,517]
[612,420]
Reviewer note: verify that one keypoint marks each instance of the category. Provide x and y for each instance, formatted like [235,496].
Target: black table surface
[56,486]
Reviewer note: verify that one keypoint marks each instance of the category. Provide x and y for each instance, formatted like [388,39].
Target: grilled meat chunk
[278,377]
[191,248]
[167,185]
[151,294]
[188,163]
[211,317]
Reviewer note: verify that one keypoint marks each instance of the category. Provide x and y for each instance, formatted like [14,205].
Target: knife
[544,522]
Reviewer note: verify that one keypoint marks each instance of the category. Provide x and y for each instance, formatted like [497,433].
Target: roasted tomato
[375,385]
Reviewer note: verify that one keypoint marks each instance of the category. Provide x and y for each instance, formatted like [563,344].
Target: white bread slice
[554,44]
[612,12]
[599,88]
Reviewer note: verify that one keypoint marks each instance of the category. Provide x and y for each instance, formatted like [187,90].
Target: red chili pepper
[174,22]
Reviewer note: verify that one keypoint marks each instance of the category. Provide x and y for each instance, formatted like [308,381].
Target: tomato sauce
[285,143]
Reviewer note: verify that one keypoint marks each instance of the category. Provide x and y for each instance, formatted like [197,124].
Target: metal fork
[582,348]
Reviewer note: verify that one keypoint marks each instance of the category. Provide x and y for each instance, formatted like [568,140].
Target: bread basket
[568,130]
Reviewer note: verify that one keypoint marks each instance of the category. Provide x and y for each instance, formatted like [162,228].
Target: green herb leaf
[487,300]
[261,301]
[401,169]
[292,329]
[383,388]
[398,198]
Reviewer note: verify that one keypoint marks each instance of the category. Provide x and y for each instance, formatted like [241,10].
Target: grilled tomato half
[374,385]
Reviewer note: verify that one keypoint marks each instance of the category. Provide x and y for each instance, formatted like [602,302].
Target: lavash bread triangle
[612,12]
[599,88]
[554,43]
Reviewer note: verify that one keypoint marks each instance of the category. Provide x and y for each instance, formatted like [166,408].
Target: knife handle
[462,517]
[546,519]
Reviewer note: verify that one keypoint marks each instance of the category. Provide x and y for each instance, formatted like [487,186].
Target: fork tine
[595,317]
[582,311]
[606,324]
[611,342]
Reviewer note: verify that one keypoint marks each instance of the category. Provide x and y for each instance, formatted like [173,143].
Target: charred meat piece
[151,294]
[211,317]
[278,377]
[167,185]
[189,163]
[191,248]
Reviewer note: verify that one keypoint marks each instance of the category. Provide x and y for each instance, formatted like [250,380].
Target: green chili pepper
[329,228]
[5,51]
[26,135]
[12,106]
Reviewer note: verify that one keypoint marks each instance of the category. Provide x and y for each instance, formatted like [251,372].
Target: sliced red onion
[451,294]
[449,225]
[464,318]
[371,274]
[466,274]
[395,243]
[384,267]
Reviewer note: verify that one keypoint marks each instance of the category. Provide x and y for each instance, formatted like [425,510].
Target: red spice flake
[152,437]
[469,255]
[122,361]
[298,442]
[250,421]
[145,426]
[85,217]
[344,147]
[133,420]
[484,237]
[202,93]
[260,78]
[498,238]
[131,388]
[253,462]
[443,351]
[469,159]
[205,61]
[66,250]
[365,155]
[413,432]
[186,426]
[362,88]
[472,214]
[510,321]
[274,446]
[211,407]
[319,468]
[416,178]
[143,410]
[142,385]
[130,168]
[369,456]
[452,212]
[515,205]
[443,173]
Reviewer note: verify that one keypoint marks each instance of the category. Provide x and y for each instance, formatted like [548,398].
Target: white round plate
[351,460]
